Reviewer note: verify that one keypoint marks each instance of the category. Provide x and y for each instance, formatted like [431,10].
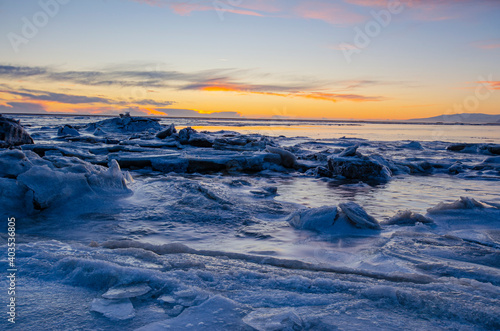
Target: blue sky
[251,58]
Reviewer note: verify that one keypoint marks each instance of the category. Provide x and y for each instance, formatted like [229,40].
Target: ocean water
[218,247]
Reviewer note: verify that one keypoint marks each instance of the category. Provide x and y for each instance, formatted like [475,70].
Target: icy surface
[125,292]
[114,309]
[238,228]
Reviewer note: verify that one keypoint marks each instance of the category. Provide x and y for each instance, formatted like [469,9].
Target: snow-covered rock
[288,160]
[315,219]
[126,292]
[185,134]
[99,132]
[413,145]
[274,320]
[55,180]
[13,162]
[126,124]
[12,133]
[217,313]
[200,140]
[407,217]
[167,132]
[349,151]
[114,309]
[462,203]
[358,217]
[67,130]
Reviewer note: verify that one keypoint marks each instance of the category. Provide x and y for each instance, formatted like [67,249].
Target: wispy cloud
[283,92]
[73,99]
[109,77]
[329,12]
[22,107]
[432,10]
[58,97]
[173,112]
[495,85]
[332,12]
[487,45]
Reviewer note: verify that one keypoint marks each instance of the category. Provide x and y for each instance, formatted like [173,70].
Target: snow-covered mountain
[461,118]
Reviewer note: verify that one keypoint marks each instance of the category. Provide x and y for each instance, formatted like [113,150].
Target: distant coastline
[282,120]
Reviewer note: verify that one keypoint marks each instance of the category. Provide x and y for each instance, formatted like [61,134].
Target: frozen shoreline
[270,232]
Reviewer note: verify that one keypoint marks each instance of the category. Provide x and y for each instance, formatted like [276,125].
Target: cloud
[432,10]
[173,112]
[286,92]
[337,97]
[328,12]
[114,76]
[487,45]
[15,72]
[219,80]
[79,99]
[495,85]
[150,102]
[22,107]
[332,13]
[59,97]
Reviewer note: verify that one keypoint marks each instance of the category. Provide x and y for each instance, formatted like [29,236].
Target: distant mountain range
[475,118]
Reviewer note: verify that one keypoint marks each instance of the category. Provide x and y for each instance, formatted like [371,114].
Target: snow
[217,313]
[288,160]
[129,231]
[274,320]
[357,216]
[114,309]
[316,219]
[67,130]
[126,292]
[407,217]
[463,203]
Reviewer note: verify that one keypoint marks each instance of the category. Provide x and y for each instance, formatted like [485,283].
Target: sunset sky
[350,59]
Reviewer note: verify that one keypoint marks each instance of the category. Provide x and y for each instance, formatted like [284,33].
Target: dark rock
[358,168]
[456,168]
[322,172]
[288,160]
[126,124]
[185,134]
[493,149]
[200,140]
[167,133]
[457,147]
[12,133]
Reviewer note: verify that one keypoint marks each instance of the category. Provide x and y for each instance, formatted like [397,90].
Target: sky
[319,59]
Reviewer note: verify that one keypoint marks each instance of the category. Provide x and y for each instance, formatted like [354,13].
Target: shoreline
[318,121]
